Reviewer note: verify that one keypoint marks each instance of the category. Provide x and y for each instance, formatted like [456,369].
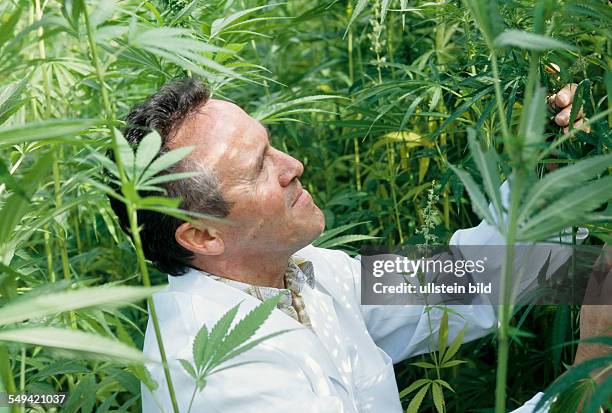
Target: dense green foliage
[376,99]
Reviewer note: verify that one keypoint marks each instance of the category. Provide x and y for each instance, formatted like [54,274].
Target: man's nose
[292,168]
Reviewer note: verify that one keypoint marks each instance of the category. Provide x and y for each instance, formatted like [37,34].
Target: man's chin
[318,230]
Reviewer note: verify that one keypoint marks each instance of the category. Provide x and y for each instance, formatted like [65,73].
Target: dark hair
[165,111]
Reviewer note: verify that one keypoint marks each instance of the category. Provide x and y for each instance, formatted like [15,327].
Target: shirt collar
[299,272]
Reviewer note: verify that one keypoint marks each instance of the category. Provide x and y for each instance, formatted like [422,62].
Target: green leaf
[265,113]
[533,122]
[199,347]
[600,397]
[487,165]
[326,235]
[165,161]
[416,401]
[452,363]
[171,177]
[10,99]
[16,206]
[74,340]
[127,155]
[189,368]
[345,239]
[413,386]
[410,111]
[479,203]
[51,304]
[577,103]
[82,397]
[570,399]
[567,210]
[444,384]
[245,329]
[251,344]
[148,148]
[605,340]
[608,82]
[361,4]
[561,324]
[383,10]
[438,397]
[529,41]
[424,365]
[562,179]
[487,17]
[572,375]
[219,25]
[7,28]
[11,183]
[466,105]
[56,130]
[218,332]
[175,45]
[454,347]
[443,334]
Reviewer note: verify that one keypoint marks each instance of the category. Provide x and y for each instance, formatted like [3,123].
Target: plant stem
[61,234]
[49,254]
[132,216]
[500,103]
[22,371]
[105,98]
[192,398]
[351,74]
[142,265]
[6,373]
[505,307]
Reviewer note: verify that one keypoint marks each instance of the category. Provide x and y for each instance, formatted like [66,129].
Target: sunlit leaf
[530,41]
[73,340]
[50,130]
[51,304]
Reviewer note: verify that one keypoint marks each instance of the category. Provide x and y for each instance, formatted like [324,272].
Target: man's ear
[202,240]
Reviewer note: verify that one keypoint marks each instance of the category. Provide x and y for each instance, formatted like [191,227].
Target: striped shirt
[299,272]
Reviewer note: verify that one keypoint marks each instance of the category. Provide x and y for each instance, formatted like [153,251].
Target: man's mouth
[300,192]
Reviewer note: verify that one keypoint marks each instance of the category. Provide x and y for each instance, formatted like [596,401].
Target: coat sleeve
[406,331]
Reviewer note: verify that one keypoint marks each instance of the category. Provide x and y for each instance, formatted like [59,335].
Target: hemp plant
[444,356]
[538,209]
[213,349]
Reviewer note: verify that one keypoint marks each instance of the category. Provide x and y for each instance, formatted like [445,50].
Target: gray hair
[200,193]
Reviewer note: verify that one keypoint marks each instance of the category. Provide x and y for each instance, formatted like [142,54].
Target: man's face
[270,210]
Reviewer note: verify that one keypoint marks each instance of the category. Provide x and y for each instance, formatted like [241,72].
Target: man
[339,355]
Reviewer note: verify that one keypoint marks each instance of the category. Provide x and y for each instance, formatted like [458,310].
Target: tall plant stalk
[132,209]
[61,234]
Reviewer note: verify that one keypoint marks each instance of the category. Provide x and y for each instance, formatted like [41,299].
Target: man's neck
[264,271]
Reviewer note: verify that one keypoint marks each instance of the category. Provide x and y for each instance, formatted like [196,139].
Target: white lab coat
[346,367]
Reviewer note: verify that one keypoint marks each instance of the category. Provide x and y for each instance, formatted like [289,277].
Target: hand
[561,102]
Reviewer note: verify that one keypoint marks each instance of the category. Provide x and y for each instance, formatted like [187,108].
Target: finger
[562,118]
[579,124]
[551,102]
[566,95]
